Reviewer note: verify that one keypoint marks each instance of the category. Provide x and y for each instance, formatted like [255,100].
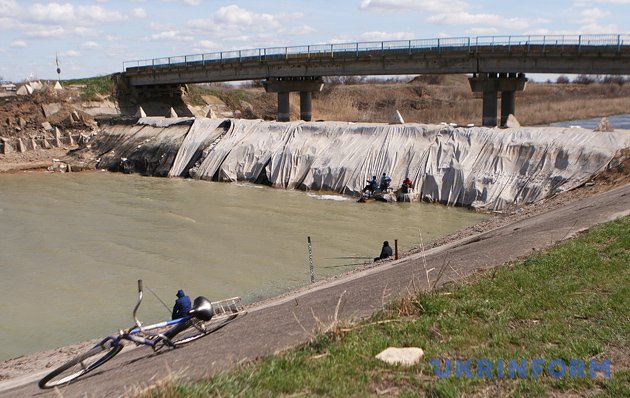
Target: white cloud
[594,13]
[466,18]
[69,14]
[582,3]
[139,13]
[192,2]
[8,8]
[18,44]
[482,31]
[173,35]
[206,45]
[419,5]
[385,36]
[44,32]
[90,45]
[300,30]
[71,53]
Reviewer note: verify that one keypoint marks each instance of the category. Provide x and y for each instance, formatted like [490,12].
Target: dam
[475,167]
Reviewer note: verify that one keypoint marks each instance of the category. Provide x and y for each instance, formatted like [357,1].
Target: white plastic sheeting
[203,130]
[478,167]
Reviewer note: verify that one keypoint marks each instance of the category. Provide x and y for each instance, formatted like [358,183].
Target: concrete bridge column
[489,109]
[286,85]
[508,105]
[284,107]
[490,84]
[306,105]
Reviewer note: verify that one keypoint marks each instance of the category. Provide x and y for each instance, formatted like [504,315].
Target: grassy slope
[570,302]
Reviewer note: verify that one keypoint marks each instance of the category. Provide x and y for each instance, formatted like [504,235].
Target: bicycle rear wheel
[81,365]
[198,329]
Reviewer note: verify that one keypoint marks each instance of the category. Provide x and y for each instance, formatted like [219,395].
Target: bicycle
[183,330]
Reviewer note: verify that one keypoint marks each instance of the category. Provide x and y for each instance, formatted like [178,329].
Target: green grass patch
[572,301]
[103,85]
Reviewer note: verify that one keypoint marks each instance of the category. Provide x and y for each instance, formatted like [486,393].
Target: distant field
[439,99]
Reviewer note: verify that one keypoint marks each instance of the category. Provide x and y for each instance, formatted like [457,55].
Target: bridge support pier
[286,85]
[490,84]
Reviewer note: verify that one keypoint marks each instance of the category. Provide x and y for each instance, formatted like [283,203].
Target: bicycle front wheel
[81,365]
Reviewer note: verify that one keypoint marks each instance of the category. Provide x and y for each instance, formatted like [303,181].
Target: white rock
[406,356]
[511,122]
[397,118]
[140,113]
[604,125]
[171,114]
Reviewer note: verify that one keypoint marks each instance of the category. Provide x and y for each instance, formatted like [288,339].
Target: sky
[92,38]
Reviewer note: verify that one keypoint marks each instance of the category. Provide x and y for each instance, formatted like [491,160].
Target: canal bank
[482,168]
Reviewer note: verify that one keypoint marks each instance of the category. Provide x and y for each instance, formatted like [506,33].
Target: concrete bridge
[498,64]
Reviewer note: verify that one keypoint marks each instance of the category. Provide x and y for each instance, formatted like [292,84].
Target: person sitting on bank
[385,181]
[386,251]
[371,185]
[407,185]
[182,305]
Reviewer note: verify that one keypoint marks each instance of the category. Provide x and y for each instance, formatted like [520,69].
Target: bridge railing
[528,43]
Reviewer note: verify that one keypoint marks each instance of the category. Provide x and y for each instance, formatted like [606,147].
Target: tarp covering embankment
[478,167]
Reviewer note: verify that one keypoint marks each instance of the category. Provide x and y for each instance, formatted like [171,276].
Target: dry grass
[423,103]
[448,99]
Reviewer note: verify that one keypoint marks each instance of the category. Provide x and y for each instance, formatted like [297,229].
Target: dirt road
[291,320]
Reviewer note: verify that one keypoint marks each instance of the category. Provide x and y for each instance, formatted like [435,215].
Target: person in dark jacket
[385,181]
[182,305]
[371,185]
[386,251]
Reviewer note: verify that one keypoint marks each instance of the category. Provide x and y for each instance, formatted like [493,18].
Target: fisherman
[385,181]
[182,305]
[371,185]
[407,185]
[386,251]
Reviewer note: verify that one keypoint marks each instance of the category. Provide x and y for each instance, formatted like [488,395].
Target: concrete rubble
[396,118]
[512,122]
[604,125]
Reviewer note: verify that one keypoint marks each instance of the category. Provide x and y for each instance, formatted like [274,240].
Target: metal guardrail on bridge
[473,45]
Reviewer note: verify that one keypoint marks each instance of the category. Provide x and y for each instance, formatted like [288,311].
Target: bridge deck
[584,54]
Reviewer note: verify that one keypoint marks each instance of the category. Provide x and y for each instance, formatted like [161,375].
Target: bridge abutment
[286,85]
[490,84]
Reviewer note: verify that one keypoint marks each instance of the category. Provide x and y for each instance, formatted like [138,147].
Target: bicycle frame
[131,334]
[182,331]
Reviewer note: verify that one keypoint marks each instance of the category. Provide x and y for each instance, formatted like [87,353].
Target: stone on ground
[397,118]
[406,356]
[511,122]
[171,114]
[604,126]
[47,126]
[140,112]
[50,109]
[211,114]
[58,86]
[24,90]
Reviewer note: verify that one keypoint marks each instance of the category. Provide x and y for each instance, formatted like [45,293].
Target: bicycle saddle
[202,309]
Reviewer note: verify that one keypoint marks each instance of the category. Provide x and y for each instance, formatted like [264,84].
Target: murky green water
[73,245]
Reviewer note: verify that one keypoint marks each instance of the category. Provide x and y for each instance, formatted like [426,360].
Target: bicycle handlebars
[135,318]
